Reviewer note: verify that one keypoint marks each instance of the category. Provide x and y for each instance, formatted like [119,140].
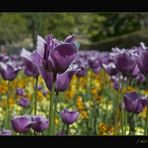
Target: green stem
[8,107]
[125,123]
[125,113]
[51,111]
[146,122]
[131,124]
[35,95]
[67,129]
[122,122]
[55,106]
[117,110]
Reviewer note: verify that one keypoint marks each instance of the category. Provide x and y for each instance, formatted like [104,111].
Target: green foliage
[12,27]
[93,27]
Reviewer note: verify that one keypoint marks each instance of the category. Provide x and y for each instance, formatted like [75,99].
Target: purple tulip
[56,56]
[24,102]
[134,102]
[21,124]
[40,123]
[31,61]
[62,80]
[110,68]
[20,91]
[117,85]
[94,63]
[140,78]
[4,57]
[8,72]
[142,62]
[125,63]
[69,117]
[5,133]
[47,76]
[81,72]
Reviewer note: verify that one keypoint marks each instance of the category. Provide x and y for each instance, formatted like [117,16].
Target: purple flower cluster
[23,124]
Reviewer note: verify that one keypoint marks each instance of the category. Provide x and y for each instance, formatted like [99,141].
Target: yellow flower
[143,113]
[84,114]
[56,121]
[105,129]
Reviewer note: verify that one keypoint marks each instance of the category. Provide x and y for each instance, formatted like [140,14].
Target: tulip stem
[51,111]
[67,129]
[35,95]
[55,106]
[117,110]
[8,107]
[146,122]
[131,124]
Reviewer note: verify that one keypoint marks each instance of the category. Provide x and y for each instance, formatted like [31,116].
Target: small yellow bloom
[56,121]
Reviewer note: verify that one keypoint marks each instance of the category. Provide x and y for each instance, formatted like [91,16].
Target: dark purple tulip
[24,102]
[5,133]
[140,78]
[110,68]
[21,124]
[63,80]
[31,61]
[8,72]
[4,58]
[56,56]
[142,62]
[136,71]
[97,70]
[47,76]
[81,72]
[40,123]
[94,63]
[134,102]
[69,117]
[125,63]
[117,85]
[20,91]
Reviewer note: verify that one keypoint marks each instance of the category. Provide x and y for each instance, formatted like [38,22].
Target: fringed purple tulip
[21,124]
[110,68]
[125,63]
[24,102]
[81,72]
[142,62]
[8,72]
[20,91]
[31,61]
[69,117]
[134,102]
[62,80]
[40,123]
[56,56]
[94,63]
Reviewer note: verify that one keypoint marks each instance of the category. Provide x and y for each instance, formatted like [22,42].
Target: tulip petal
[40,46]
[47,76]
[63,55]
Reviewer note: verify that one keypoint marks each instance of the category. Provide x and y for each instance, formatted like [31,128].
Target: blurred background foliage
[97,30]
